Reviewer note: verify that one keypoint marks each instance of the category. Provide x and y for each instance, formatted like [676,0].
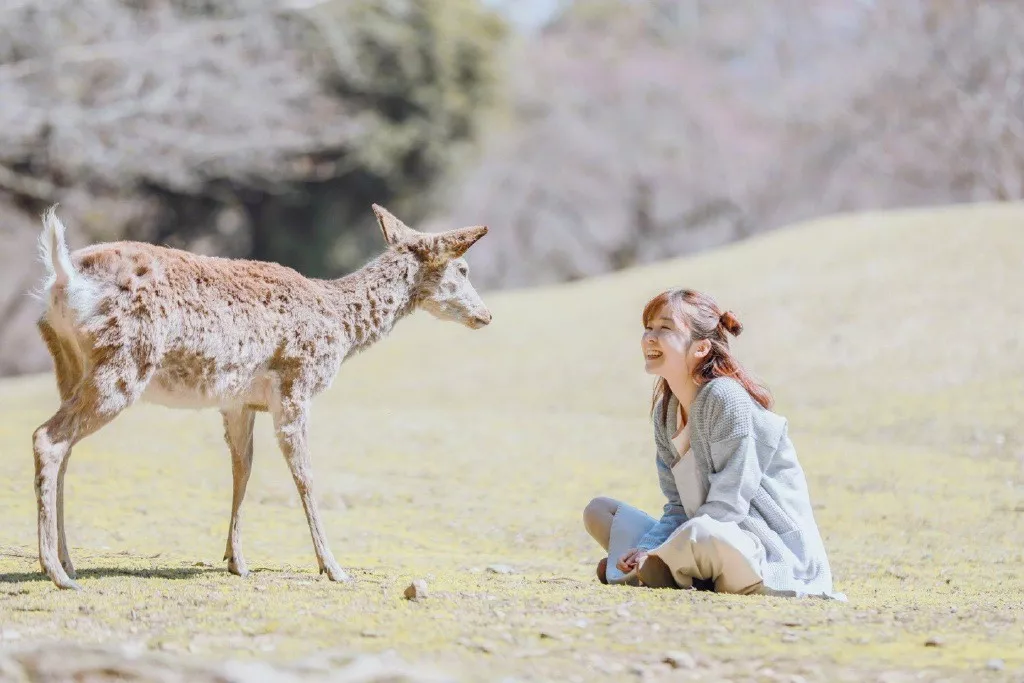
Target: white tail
[53,250]
[78,292]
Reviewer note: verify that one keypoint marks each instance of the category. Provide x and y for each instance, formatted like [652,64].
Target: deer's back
[219,327]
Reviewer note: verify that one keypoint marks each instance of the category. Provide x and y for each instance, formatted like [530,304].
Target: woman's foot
[602,567]
[654,573]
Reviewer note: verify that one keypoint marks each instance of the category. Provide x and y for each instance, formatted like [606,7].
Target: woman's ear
[702,348]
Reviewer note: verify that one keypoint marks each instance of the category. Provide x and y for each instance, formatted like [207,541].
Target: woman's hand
[630,559]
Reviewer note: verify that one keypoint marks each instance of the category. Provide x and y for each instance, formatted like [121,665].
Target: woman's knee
[722,553]
[598,513]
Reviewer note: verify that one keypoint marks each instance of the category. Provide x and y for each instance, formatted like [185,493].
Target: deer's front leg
[238,424]
[291,424]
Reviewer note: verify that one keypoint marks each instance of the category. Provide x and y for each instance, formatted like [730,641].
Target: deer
[131,321]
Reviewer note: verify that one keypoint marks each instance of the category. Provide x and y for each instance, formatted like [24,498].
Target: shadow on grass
[107,572]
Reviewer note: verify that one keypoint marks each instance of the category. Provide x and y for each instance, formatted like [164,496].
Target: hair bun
[731,323]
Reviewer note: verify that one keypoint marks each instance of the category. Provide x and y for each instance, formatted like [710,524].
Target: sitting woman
[738,517]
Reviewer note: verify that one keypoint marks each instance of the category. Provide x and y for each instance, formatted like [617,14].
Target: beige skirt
[701,548]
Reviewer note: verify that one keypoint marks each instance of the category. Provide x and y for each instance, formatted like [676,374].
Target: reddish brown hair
[703,319]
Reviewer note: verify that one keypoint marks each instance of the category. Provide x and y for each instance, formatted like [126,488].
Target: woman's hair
[703,319]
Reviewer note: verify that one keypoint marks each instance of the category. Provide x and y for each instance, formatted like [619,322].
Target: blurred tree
[652,128]
[246,128]
[418,77]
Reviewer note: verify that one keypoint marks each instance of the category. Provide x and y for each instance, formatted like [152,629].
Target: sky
[527,14]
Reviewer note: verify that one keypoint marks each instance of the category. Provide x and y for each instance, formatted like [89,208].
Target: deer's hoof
[336,574]
[238,568]
[65,583]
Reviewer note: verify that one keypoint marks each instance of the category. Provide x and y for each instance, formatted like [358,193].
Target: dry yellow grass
[892,342]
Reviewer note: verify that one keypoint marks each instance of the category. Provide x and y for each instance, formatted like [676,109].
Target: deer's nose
[482,319]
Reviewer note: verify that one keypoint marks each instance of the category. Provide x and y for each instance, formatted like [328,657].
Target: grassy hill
[892,342]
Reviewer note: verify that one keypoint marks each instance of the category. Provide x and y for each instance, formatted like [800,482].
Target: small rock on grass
[680,660]
[500,569]
[417,590]
[995,665]
[934,641]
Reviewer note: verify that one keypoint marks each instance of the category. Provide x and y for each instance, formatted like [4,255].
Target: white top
[691,488]
[692,492]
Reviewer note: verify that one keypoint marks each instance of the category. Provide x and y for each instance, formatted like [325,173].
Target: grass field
[891,341]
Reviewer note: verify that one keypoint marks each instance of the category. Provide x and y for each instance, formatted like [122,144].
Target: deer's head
[444,289]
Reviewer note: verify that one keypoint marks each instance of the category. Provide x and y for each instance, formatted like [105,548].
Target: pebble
[680,660]
[417,590]
[934,641]
[995,665]
[500,569]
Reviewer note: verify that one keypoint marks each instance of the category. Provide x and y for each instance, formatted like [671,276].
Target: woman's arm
[673,514]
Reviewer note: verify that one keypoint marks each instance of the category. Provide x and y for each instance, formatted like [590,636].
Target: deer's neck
[374,298]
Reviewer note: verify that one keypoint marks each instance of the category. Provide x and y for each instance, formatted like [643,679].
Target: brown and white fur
[129,321]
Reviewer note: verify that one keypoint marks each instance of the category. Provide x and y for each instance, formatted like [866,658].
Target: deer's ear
[454,243]
[394,230]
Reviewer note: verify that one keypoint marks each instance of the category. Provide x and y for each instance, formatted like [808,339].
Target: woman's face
[664,344]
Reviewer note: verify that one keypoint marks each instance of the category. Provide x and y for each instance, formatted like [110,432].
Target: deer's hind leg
[67,359]
[68,369]
[113,381]
[238,425]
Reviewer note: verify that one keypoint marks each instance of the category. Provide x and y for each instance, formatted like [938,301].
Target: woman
[738,517]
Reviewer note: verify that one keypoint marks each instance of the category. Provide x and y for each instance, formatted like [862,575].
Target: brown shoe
[654,573]
[602,567]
